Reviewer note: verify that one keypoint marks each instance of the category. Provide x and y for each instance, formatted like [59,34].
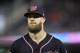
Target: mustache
[32,22]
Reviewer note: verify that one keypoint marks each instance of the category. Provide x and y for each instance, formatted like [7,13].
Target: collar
[32,43]
[39,40]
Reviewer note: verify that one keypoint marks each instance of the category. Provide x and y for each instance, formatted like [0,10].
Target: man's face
[35,24]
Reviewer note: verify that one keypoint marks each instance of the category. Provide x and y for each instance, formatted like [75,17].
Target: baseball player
[37,40]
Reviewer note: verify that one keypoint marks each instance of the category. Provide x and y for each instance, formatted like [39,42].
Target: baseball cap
[35,12]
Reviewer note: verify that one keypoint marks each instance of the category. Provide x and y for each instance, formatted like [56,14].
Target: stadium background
[62,21]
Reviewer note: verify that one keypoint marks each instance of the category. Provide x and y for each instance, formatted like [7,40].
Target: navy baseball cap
[35,12]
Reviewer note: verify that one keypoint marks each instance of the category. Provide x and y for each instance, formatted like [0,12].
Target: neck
[38,37]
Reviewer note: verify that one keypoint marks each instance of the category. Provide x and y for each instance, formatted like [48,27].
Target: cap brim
[34,14]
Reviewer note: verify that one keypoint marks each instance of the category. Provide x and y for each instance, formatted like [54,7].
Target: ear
[43,19]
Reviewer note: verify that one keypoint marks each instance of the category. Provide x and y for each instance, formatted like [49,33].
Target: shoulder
[55,40]
[58,44]
[18,40]
[17,43]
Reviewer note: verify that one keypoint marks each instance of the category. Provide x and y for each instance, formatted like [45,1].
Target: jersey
[49,45]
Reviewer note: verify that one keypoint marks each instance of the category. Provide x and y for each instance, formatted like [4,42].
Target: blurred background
[62,21]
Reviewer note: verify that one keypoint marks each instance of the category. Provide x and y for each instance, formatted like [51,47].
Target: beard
[35,29]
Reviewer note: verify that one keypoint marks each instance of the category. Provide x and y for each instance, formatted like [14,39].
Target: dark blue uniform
[26,45]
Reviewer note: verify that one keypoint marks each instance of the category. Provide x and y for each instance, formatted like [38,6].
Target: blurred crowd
[61,16]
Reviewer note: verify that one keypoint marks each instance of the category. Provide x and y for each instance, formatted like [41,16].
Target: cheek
[28,21]
[38,21]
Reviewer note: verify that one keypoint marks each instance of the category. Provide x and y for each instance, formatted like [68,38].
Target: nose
[32,19]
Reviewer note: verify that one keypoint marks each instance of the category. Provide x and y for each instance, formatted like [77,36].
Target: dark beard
[36,29]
